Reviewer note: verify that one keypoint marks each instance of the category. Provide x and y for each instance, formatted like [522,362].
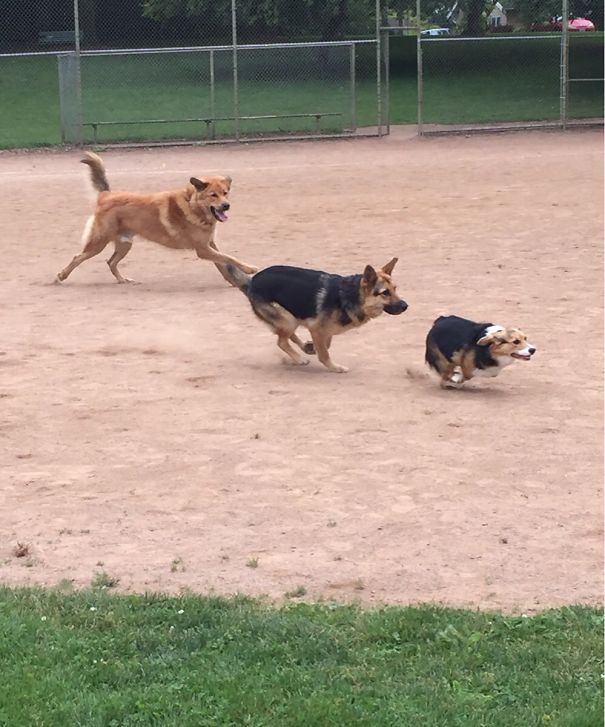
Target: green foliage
[100,660]
[329,18]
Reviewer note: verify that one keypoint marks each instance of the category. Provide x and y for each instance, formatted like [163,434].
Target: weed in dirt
[298,592]
[103,580]
[177,565]
[21,550]
[252,563]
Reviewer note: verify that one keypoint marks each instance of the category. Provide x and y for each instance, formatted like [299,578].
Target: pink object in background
[581,24]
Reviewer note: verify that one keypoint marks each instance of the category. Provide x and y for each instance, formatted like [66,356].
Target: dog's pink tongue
[221,215]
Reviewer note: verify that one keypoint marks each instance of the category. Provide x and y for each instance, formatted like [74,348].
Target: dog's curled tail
[98,176]
[240,279]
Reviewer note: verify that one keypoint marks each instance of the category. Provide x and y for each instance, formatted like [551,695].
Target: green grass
[101,660]
[464,82]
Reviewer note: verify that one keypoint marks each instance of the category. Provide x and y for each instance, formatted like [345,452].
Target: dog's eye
[516,341]
[385,293]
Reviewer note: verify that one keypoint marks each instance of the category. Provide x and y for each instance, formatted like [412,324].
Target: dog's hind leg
[94,244]
[123,246]
[284,325]
[305,346]
[283,341]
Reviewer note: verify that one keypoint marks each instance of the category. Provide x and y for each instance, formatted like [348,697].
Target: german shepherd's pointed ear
[369,276]
[199,184]
[388,268]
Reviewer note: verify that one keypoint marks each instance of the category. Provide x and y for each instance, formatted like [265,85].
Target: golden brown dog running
[183,219]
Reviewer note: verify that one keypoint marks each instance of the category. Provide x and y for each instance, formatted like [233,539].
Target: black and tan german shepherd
[326,304]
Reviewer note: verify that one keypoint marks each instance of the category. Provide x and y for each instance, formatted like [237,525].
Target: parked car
[435,32]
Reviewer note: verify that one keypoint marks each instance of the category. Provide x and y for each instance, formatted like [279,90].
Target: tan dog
[184,219]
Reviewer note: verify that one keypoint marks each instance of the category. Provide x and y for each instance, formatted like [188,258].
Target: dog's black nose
[395,309]
[226,206]
[532,351]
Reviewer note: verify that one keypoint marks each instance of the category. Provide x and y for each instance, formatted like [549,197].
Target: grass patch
[464,82]
[97,659]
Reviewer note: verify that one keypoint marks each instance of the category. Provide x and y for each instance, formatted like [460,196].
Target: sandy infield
[152,431]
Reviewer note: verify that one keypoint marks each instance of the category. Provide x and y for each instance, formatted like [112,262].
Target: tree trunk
[475,24]
[334,27]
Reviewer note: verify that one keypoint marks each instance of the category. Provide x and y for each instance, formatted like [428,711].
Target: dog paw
[450,384]
[309,348]
[123,281]
[295,362]
[58,280]
[250,269]
[337,369]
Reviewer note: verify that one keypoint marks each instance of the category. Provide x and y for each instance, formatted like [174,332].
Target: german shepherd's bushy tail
[240,279]
[98,176]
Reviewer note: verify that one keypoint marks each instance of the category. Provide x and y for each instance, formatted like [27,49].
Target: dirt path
[151,431]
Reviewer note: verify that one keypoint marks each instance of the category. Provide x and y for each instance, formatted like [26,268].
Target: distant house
[504,13]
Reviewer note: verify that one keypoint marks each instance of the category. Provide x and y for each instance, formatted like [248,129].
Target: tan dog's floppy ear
[388,268]
[199,184]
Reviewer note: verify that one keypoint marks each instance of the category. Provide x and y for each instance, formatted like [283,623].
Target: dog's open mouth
[522,356]
[219,214]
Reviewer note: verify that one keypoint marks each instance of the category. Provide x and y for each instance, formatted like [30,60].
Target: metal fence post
[212,96]
[70,102]
[235,69]
[420,79]
[387,80]
[564,70]
[77,135]
[378,71]
[353,87]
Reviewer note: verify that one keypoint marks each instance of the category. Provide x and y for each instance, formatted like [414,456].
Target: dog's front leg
[211,253]
[321,342]
[222,268]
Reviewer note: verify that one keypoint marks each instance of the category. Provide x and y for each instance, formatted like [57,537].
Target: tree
[539,11]
[330,19]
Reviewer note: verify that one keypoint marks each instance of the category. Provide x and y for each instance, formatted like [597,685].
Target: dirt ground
[153,433]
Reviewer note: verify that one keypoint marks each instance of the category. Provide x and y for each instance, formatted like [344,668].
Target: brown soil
[151,431]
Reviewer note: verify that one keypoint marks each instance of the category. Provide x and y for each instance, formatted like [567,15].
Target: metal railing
[301,84]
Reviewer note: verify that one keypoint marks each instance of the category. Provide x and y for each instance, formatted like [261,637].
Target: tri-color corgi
[459,349]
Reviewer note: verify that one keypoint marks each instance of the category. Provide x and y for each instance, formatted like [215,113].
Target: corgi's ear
[199,184]
[495,337]
[388,268]
[369,276]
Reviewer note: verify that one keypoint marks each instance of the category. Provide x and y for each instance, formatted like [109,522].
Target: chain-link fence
[107,71]
[204,70]
[511,72]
